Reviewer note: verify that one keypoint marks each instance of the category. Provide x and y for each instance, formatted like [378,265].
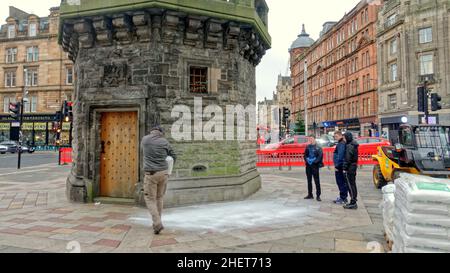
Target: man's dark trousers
[342,184]
[351,183]
[313,171]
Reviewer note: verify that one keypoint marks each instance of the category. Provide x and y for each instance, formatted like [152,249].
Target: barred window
[198,79]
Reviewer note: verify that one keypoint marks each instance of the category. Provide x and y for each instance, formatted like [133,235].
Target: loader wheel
[378,178]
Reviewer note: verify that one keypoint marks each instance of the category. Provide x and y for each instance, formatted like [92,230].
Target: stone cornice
[243,11]
[163,27]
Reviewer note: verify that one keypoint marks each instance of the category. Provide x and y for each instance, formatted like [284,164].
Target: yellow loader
[420,149]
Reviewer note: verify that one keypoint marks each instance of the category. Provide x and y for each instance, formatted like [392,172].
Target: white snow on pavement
[222,217]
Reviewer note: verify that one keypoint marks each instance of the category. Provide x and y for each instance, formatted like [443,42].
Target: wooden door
[119,164]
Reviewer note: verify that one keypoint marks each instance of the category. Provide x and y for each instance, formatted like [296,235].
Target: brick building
[413,47]
[31,58]
[341,73]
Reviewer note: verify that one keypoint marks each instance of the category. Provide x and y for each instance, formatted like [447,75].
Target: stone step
[115,201]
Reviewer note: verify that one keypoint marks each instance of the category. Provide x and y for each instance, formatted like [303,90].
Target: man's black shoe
[158,230]
[309,197]
[318,199]
[351,206]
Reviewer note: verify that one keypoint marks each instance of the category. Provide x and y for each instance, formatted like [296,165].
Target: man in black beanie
[350,166]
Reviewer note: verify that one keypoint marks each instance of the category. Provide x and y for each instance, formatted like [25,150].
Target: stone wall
[141,62]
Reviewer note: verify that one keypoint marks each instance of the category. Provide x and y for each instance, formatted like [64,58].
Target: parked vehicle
[326,141]
[297,143]
[13,147]
[373,142]
[3,149]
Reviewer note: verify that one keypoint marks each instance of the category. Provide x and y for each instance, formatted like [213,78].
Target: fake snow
[222,217]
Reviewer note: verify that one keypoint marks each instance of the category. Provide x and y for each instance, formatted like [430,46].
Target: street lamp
[24,99]
[305,85]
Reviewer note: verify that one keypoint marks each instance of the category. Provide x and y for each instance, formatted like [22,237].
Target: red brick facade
[342,73]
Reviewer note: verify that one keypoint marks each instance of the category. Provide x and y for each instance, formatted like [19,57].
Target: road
[39,164]
[9,161]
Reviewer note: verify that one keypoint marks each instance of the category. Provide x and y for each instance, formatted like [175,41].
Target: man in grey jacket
[156,149]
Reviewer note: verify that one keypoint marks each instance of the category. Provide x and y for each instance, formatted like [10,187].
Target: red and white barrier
[295,157]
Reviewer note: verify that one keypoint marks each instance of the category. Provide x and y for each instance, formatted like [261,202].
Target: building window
[426,64]
[30,105]
[425,35]
[11,55]
[391,20]
[392,101]
[11,31]
[32,30]
[69,75]
[367,58]
[393,46]
[33,104]
[10,79]
[357,86]
[198,79]
[32,54]
[367,16]
[31,76]
[6,102]
[393,70]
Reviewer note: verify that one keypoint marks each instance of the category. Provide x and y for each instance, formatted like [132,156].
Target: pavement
[36,217]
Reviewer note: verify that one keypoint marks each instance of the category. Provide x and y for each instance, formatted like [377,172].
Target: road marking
[19,172]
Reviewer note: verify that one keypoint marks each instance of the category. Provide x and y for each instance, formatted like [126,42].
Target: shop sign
[27,126]
[66,126]
[5,126]
[40,126]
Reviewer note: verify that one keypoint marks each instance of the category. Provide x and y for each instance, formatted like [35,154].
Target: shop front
[369,126]
[351,125]
[37,131]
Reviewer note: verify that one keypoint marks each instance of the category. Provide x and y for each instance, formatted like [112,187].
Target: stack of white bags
[388,208]
[421,221]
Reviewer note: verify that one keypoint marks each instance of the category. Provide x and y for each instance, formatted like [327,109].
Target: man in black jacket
[338,160]
[350,166]
[314,161]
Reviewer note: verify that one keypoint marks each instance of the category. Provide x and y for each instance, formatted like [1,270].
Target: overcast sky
[285,20]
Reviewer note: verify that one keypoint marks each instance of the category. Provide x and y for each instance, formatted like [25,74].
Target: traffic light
[70,111]
[436,102]
[286,113]
[14,109]
[67,111]
[422,99]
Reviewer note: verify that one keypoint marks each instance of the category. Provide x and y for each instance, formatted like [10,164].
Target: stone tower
[135,63]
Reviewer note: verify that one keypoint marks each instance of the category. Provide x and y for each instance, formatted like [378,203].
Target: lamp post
[305,99]
[24,99]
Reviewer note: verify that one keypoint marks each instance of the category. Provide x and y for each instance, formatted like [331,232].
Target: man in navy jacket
[338,159]
[313,161]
